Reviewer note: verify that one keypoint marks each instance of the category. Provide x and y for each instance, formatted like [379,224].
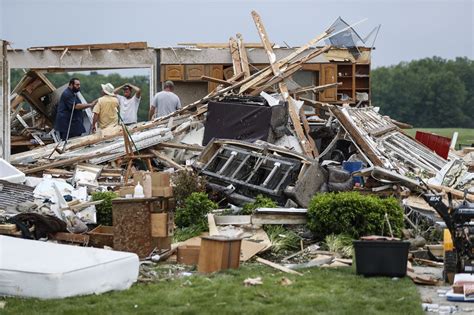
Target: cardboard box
[159,224]
[160,179]
[157,191]
[188,254]
[162,191]
[126,190]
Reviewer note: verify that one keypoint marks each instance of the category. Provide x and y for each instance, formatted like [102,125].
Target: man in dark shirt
[69,101]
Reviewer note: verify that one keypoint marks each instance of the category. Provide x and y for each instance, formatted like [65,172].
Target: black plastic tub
[381,258]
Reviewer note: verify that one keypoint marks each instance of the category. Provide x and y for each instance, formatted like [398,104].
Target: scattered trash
[253,281]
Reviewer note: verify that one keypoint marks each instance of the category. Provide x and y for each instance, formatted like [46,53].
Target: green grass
[319,291]
[465,137]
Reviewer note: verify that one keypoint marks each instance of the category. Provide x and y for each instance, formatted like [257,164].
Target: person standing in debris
[69,115]
[164,102]
[105,112]
[128,103]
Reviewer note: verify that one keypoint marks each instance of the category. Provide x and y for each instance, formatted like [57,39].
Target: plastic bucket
[381,258]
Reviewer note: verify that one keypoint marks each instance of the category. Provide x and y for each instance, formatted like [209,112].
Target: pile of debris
[251,136]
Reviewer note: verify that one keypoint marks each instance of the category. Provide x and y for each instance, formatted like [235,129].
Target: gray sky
[411,29]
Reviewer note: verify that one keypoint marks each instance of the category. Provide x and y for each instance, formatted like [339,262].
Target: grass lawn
[319,291]
[465,137]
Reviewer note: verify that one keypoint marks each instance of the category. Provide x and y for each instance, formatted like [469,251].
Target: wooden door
[328,75]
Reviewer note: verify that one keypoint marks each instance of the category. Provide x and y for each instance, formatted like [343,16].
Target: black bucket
[381,258]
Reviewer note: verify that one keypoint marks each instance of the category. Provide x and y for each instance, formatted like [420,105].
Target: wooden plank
[243,55]
[82,239]
[167,160]
[212,225]
[64,162]
[278,267]
[180,146]
[295,119]
[211,79]
[24,124]
[356,136]
[234,52]
[276,79]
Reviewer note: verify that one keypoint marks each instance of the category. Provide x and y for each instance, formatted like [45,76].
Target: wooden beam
[277,79]
[215,80]
[306,145]
[278,267]
[234,52]
[243,55]
[166,160]
[356,136]
[64,162]
[180,146]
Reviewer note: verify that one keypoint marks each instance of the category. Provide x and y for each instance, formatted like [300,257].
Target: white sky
[411,29]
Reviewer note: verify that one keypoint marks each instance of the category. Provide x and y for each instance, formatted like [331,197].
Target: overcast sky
[411,29]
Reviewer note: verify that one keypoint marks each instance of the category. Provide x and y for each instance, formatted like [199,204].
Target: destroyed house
[196,69]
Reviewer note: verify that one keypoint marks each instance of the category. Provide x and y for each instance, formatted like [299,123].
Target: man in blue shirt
[69,101]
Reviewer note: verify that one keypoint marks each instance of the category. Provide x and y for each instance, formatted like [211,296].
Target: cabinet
[354,79]
[194,72]
[174,72]
[328,75]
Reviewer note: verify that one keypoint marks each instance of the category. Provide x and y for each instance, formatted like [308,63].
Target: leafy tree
[431,92]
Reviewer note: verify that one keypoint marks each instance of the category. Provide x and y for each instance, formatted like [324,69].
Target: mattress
[30,268]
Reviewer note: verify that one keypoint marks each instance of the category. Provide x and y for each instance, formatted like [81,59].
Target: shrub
[194,210]
[104,209]
[353,214]
[187,182]
[340,244]
[260,202]
[281,238]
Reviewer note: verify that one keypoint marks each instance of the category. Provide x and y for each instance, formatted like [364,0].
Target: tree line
[430,93]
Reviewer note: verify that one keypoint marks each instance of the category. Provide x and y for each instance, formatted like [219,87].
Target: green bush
[282,239]
[194,210]
[353,214]
[260,202]
[104,209]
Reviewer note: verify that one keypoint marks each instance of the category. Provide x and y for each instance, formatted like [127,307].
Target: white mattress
[31,268]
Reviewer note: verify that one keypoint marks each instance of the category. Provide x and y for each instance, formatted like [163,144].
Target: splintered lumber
[211,79]
[166,160]
[180,146]
[64,162]
[243,56]
[277,79]
[263,74]
[307,146]
[234,52]
[356,136]
[315,89]
[277,266]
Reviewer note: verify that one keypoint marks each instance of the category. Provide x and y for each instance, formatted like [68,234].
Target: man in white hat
[105,112]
